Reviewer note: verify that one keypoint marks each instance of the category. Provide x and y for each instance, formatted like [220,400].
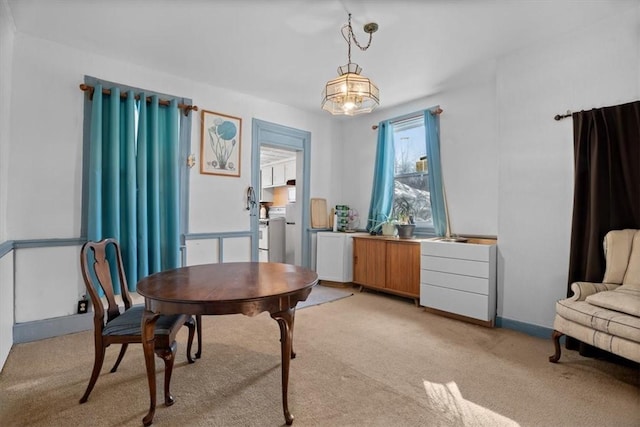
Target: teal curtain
[383,182]
[134,180]
[432,132]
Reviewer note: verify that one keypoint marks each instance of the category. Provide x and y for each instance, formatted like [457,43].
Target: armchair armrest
[581,290]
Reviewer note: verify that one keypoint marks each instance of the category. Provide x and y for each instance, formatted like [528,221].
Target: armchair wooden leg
[555,336]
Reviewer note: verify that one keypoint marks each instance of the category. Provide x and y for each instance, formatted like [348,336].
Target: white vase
[389,229]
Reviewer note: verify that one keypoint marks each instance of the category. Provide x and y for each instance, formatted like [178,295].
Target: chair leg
[555,336]
[192,328]
[123,350]
[168,355]
[199,332]
[97,366]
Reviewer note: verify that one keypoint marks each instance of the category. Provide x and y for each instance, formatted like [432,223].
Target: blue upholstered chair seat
[128,323]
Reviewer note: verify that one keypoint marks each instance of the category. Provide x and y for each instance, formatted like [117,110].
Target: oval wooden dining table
[247,288]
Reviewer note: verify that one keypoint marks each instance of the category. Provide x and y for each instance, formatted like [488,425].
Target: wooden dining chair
[113,327]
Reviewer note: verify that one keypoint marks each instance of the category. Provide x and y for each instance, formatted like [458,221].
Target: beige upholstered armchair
[606,315]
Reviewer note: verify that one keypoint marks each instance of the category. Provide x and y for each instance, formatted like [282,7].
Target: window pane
[410,145]
[411,187]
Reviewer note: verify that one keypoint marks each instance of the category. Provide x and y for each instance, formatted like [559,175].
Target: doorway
[277,145]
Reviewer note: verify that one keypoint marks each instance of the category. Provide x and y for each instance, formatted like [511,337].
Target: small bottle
[263,212]
[335,221]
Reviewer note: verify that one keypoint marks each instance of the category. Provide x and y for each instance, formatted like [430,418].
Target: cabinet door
[330,253]
[359,261]
[278,174]
[403,267]
[266,174]
[376,269]
[369,262]
[290,170]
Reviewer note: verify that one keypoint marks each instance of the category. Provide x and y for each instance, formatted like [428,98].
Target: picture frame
[220,144]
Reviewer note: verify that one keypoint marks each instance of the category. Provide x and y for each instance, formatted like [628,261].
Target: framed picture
[220,144]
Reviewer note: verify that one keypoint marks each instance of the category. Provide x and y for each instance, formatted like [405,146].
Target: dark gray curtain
[606,188]
[607,184]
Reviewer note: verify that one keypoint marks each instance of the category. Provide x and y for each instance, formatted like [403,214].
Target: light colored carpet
[366,360]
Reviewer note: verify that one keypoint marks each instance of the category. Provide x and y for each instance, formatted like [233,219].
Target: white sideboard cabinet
[459,279]
[334,252]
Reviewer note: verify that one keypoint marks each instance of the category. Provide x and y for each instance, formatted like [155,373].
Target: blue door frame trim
[275,135]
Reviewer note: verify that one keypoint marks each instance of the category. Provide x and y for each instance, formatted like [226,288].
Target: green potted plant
[403,209]
[387,226]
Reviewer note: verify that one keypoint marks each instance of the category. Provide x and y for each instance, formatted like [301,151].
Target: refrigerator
[292,234]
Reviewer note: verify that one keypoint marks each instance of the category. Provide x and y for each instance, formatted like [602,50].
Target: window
[407,181]
[411,196]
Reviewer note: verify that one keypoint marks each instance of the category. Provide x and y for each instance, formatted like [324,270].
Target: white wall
[7,31]
[7,35]
[46,142]
[594,67]
[6,306]
[468,144]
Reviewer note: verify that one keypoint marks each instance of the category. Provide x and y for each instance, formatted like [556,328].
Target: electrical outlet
[83,305]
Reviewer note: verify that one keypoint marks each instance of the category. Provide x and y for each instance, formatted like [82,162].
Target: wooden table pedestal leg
[148,337]
[285,321]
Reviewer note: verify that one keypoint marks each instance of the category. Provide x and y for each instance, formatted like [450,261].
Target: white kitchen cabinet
[290,170]
[460,279]
[278,174]
[266,175]
[266,193]
[334,260]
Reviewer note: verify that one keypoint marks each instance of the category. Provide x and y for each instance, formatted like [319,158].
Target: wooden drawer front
[477,285]
[455,266]
[467,251]
[454,301]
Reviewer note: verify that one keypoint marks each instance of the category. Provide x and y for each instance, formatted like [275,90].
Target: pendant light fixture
[351,93]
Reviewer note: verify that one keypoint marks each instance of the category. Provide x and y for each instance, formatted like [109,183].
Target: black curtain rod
[559,117]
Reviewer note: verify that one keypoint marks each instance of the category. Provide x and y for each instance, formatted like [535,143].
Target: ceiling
[286,50]
[270,155]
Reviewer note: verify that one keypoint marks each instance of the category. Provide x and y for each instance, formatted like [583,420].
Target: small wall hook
[191,160]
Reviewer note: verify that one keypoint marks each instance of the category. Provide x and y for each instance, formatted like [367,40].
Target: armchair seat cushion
[598,319]
[129,323]
[625,299]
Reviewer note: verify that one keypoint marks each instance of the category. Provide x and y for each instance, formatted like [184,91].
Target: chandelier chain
[351,35]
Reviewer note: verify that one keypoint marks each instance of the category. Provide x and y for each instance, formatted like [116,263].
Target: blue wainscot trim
[221,235]
[527,328]
[6,247]
[49,243]
[49,328]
